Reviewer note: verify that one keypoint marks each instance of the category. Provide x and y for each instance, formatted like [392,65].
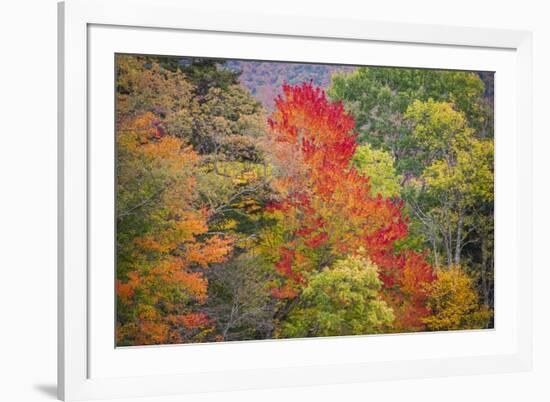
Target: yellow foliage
[454,303]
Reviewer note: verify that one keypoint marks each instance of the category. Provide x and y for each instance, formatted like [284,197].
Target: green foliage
[205,74]
[379,166]
[471,175]
[378,97]
[457,178]
[436,129]
[456,161]
[227,117]
[340,300]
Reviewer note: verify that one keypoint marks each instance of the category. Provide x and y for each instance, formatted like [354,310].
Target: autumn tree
[143,86]
[454,303]
[332,217]
[458,177]
[163,241]
[205,73]
[416,114]
[198,106]
[340,300]
[197,102]
[325,205]
[378,98]
[240,300]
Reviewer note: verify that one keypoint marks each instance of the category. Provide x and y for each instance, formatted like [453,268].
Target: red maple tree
[329,208]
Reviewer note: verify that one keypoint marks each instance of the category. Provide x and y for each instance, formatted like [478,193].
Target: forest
[280,200]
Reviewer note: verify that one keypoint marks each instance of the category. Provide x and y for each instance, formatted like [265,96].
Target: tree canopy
[365,208]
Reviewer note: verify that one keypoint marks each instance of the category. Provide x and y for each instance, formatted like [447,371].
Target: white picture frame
[90,367]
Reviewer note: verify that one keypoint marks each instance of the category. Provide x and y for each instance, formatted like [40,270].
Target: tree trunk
[283,312]
[448,247]
[434,248]
[458,245]
[484,281]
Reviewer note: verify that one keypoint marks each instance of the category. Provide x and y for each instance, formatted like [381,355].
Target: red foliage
[307,119]
[284,265]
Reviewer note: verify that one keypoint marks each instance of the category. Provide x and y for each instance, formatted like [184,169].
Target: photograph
[275,201]
[266,199]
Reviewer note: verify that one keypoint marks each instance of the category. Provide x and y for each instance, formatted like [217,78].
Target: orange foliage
[166,284]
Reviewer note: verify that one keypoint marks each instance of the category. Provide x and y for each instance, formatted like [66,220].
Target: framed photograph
[253,201]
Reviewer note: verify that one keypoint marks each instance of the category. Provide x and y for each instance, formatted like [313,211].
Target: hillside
[264,79]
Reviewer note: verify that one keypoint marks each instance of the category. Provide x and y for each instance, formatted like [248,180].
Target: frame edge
[71,370]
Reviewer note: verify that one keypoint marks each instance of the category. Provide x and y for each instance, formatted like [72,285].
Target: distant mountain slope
[264,79]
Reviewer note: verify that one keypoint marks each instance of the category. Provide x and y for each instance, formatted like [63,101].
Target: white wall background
[28,199]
